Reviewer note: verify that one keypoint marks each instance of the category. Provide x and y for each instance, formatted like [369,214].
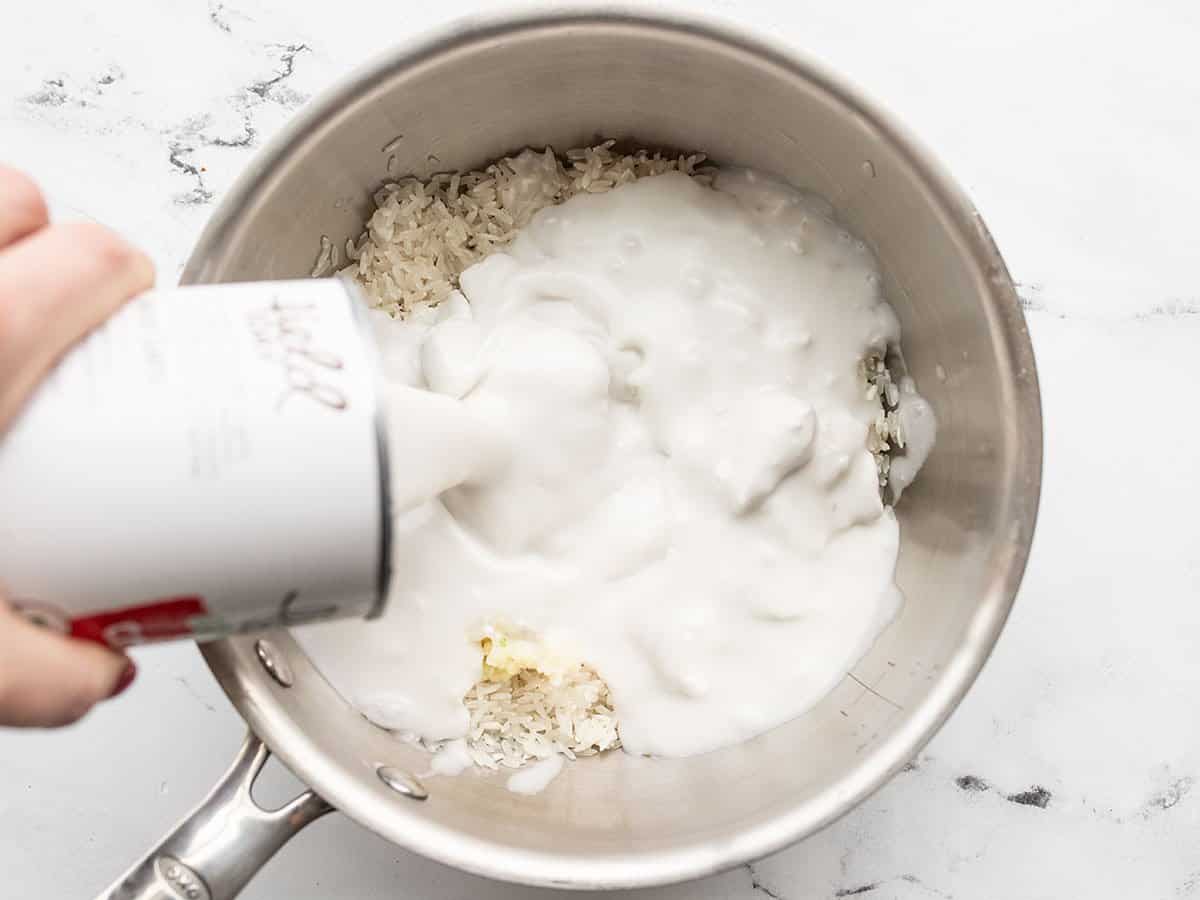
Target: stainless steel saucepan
[467,95]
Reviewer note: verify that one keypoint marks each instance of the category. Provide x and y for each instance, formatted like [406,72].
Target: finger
[55,286]
[22,207]
[47,679]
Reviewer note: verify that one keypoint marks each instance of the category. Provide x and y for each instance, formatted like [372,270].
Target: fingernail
[126,679]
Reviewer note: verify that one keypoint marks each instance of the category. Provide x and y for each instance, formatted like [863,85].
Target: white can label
[208,462]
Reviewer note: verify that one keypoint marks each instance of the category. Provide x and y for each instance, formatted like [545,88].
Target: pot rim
[239,677]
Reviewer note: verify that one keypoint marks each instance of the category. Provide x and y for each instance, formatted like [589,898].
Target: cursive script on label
[284,336]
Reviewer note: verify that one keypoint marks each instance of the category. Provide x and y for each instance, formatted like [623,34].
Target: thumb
[47,679]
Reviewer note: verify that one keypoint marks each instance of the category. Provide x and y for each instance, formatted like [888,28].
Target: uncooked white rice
[531,716]
[886,434]
[423,234]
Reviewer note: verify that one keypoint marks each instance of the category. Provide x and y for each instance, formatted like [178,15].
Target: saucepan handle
[222,843]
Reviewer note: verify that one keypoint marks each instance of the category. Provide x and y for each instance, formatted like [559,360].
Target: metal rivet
[401,782]
[181,881]
[272,660]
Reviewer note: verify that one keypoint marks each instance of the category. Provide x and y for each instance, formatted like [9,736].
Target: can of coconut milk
[211,461]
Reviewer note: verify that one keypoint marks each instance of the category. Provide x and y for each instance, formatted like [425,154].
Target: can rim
[359,307]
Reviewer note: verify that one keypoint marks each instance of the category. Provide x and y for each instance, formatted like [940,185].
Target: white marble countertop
[1070,770]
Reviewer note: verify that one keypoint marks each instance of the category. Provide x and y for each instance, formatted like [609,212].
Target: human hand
[47,679]
[57,283]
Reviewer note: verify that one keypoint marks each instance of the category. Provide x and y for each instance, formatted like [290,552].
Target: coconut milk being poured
[638,438]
